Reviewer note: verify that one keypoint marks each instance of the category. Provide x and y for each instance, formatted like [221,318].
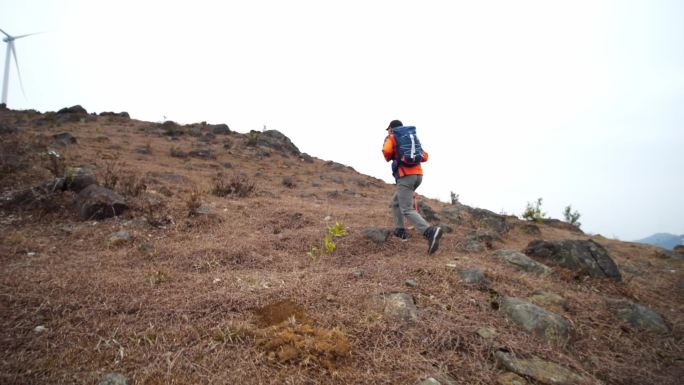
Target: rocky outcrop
[96,202]
[428,213]
[542,371]
[536,320]
[276,140]
[586,257]
[557,223]
[638,316]
[521,261]
[77,109]
[219,129]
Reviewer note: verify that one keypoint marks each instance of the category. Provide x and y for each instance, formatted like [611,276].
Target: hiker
[408,175]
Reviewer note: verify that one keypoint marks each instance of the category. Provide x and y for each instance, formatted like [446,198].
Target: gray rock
[119,238]
[446,228]
[78,178]
[64,139]
[487,333]
[427,212]
[536,320]
[207,137]
[122,114]
[358,181]
[490,220]
[376,234]
[97,202]
[400,306]
[530,228]
[289,182]
[429,381]
[472,245]
[548,300]
[201,153]
[585,256]
[542,371]
[453,215]
[473,277]
[337,179]
[113,379]
[638,316]
[521,261]
[77,109]
[306,157]
[486,237]
[510,378]
[411,283]
[6,130]
[219,129]
[277,141]
[359,274]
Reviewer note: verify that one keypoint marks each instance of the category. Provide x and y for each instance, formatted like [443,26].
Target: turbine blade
[16,62]
[28,34]
[6,34]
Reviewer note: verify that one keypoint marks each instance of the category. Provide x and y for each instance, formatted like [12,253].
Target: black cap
[394,124]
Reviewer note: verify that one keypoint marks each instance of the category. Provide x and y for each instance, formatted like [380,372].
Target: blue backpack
[408,150]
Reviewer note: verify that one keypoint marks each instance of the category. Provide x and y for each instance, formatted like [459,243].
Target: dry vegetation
[237,299]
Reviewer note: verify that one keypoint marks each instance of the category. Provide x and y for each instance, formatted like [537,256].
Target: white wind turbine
[11,51]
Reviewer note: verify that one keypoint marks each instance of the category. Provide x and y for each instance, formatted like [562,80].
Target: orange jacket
[388,152]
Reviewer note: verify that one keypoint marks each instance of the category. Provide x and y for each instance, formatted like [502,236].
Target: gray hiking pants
[402,203]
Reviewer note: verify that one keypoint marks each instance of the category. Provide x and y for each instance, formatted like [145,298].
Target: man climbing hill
[403,148]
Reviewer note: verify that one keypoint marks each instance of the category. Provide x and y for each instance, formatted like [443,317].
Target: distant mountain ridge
[664,240]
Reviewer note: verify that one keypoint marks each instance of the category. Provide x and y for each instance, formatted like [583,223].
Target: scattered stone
[263,153]
[219,129]
[97,202]
[429,381]
[510,378]
[359,274]
[521,261]
[376,234]
[207,137]
[119,238]
[446,228]
[205,211]
[668,254]
[487,237]
[536,320]
[453,215]
[40,329]
[427,212]
[113,379]
[548,300]
[638,316]
[411,283]
[488,333]
[165,191]
[146,248]
[584,256]
[358,181]
[400,306]
[201,154]
[288,182]
[473,277]
[542,371]
[64,139]
[77,109]
[337,179]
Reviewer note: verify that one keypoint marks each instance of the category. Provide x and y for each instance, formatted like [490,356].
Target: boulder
[113,379]
[77,109]
[427,212]
[219,129]
[548,300]
[484,236]
[276,140]
[64,139]
[473,277]
[472,245]
[521,261]
[638,316]
[78,178]
[585,256]
[97,202]
[122,114]
[542,371]
[400,306]
[490,219]
[536,320]
[376,234]
[487,333]
[452,215]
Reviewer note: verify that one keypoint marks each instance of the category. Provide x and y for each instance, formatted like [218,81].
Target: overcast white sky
[578,102]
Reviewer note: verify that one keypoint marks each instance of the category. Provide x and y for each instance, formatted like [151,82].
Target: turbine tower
[11,51]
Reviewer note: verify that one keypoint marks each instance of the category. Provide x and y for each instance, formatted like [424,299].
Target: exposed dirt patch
[279,312]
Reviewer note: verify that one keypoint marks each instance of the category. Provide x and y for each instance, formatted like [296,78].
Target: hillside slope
[664,240]
[188,287]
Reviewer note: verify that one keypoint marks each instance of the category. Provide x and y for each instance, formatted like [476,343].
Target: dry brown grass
[181,302]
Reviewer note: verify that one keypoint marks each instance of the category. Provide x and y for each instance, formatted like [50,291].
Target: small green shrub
[253,138]
[572,217]
[327,246]
[454,198]
[533,212]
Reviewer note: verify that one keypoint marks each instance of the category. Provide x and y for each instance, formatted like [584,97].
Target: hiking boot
[401,234]
[433,234]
